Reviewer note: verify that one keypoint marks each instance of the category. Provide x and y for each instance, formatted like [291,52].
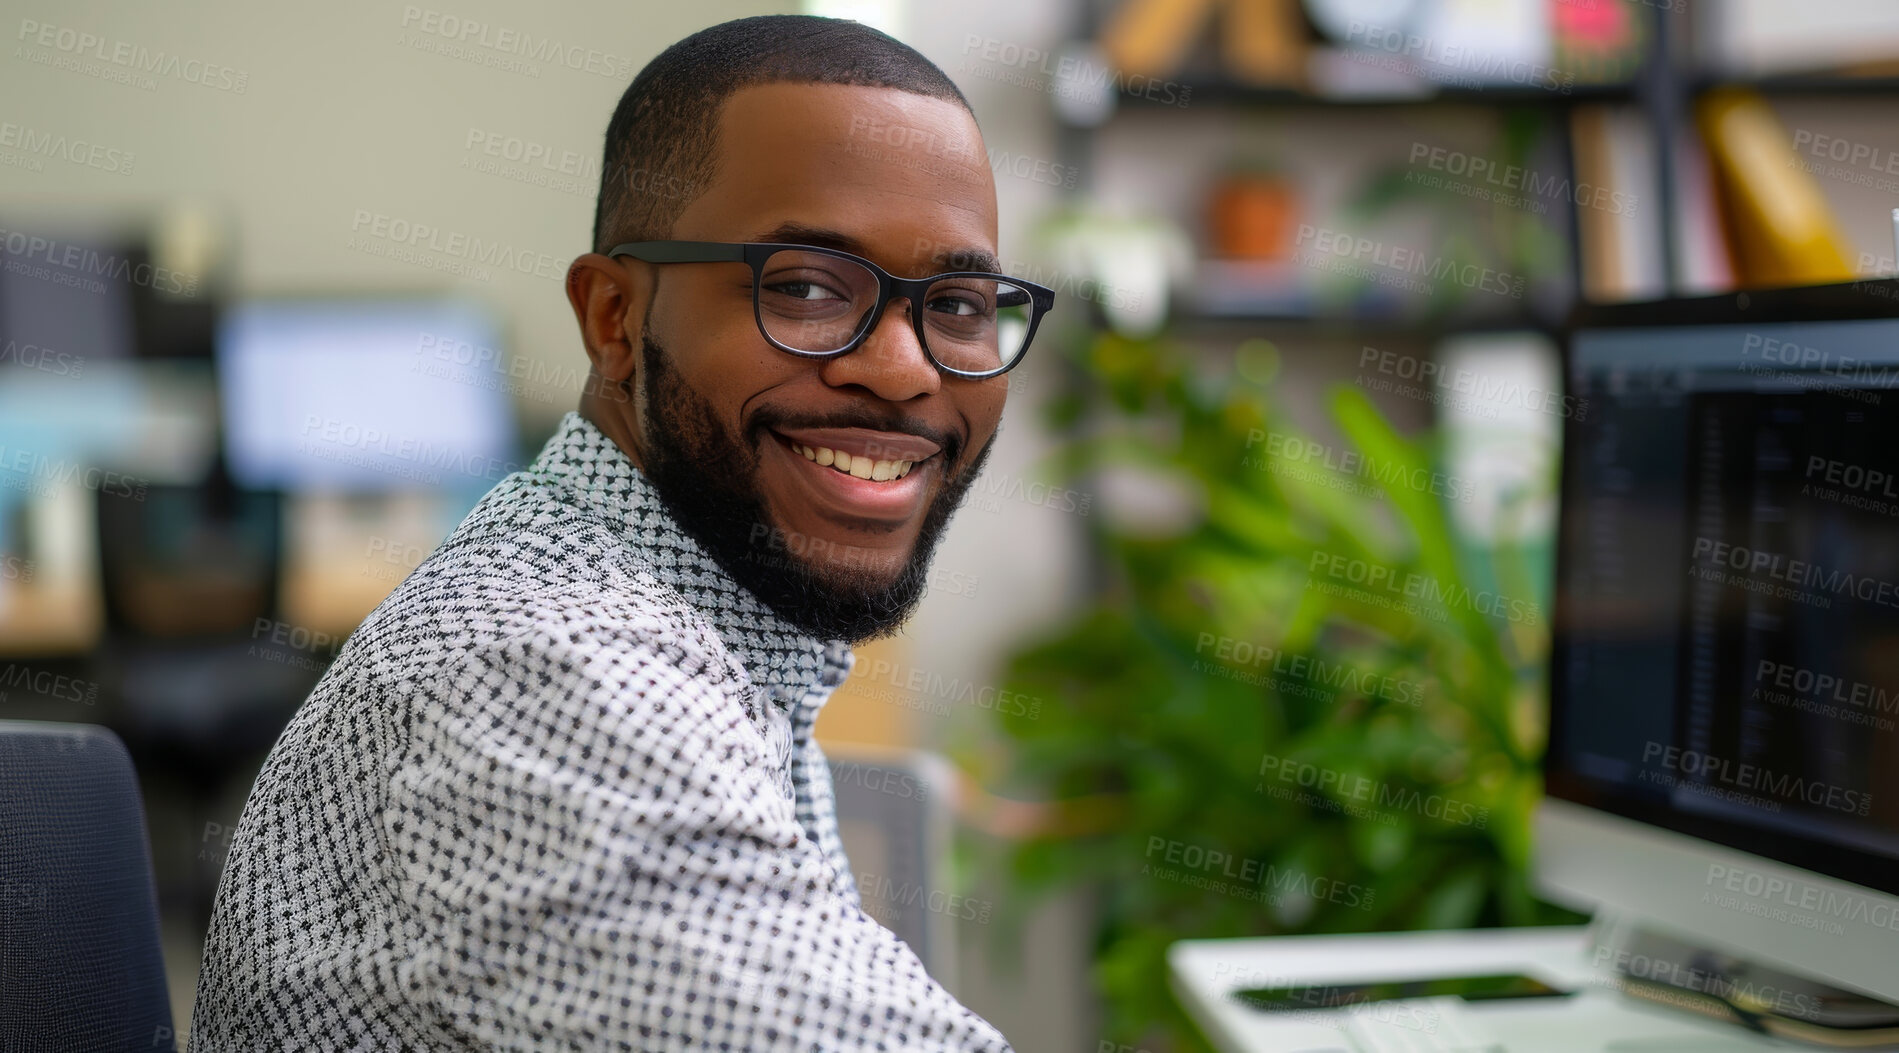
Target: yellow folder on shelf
[1152,37]
[1779,223]
[1263,42]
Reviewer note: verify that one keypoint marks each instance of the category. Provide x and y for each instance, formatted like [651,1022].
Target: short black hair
[661,141]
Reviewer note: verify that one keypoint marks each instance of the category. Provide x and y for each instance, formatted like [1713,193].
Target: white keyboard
[1417,1025]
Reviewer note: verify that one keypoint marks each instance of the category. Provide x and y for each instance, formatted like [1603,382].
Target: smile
[861,466]
[865,477]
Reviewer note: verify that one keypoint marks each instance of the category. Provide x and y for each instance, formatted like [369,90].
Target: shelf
[1278,292]
[1817,84]
[1220,92]
[1361,323]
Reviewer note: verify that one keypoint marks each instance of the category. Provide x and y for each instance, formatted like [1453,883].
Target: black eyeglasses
[822,303]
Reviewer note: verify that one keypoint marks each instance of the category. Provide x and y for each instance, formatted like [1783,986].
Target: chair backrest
[80,962]
[894,817]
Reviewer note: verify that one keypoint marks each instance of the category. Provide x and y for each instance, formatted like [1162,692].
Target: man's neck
[616,418]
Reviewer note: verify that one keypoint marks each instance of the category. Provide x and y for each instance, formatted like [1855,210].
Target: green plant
[1157,734]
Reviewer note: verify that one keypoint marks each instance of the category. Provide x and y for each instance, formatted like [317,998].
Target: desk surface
[1204,973]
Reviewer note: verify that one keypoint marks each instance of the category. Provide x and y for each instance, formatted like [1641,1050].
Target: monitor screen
[55,320]
[1726,659]
[364,395]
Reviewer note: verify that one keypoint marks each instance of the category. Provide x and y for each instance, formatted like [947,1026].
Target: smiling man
[560,790]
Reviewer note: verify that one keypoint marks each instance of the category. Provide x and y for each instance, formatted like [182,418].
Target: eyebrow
[792,233]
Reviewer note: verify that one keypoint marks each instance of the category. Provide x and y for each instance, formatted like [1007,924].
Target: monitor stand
[1672,971]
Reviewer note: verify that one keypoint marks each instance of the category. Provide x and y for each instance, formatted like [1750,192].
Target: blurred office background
[282,298]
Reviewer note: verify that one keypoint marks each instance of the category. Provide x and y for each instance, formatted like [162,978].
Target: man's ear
[609,300]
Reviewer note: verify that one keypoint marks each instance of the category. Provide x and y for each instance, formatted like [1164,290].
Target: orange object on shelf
[1251,217]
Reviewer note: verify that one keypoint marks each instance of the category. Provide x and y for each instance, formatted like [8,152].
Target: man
[560,791]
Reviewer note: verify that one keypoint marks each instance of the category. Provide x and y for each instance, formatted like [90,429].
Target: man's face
[725,418]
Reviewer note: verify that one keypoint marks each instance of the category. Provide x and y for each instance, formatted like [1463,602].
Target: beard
[708,480]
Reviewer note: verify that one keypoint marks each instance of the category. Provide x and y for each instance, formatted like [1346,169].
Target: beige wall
[344,110]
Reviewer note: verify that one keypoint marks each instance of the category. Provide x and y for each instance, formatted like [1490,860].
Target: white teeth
[860,466]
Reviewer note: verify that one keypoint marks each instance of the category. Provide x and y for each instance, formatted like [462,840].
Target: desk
[49,617]
[1204,973]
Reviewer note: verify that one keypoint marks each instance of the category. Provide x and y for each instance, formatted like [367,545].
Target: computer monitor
[1723,762]
[84,417]
[364,395]
[55,321]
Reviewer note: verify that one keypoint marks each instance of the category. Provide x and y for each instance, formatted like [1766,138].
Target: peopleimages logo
[1696,764]
[922,148]
[47,683]
[878,778]
[1616,962]
[878,887]
[1852,476]
[1814,692]
[1435,59]
[1068,75]
[1380,581]
[1247,878]
[920,682]
[128,58]
[455,252]
[1282,450]
[1503,180]
[78,258]
[41,144]
[1372,793]
[1826,685]
[1476,384]
[1300,669]
[279,641]
[1350,254]
[46,360]
[1823,903]
[330,438]
[1812,359]
[1799,573]
[506,41]
[33,472]
[1860,163]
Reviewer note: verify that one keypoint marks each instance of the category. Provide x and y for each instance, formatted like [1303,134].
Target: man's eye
[955,305]
[806,291]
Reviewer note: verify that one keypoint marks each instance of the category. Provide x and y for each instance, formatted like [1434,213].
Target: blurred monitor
[188,562]
[364,395]
[83,418]
[196,658]
[55,319]
[174,314]
[70,300]
[1724,726]
[49,581]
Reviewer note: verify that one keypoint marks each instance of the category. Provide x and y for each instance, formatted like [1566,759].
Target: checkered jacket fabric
[560,792]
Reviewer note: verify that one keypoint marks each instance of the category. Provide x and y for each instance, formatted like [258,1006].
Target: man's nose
[891,362]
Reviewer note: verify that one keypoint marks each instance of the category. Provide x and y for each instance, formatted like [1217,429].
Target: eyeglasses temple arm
[680,251]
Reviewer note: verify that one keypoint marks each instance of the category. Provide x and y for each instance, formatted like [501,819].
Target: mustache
[770,418]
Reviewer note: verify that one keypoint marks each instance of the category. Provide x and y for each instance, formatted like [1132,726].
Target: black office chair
[80,963]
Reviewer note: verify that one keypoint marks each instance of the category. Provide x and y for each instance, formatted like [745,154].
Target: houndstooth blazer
[560,792]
